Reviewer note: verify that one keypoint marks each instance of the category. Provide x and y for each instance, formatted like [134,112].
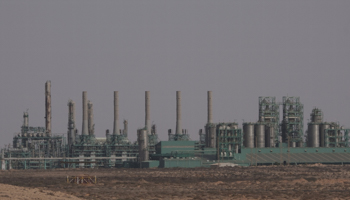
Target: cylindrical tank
[323,139]
[248,131]
[260,135]
[270,136]
[142,138]
[313,135]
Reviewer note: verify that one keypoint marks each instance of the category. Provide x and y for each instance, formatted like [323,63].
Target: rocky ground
[263,182]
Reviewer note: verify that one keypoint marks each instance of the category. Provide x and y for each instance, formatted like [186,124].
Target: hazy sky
[238,49]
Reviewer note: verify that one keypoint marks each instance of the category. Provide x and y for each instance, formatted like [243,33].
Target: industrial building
[268,141]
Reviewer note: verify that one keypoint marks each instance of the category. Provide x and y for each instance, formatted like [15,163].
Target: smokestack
[147,113]
[71,122]
[85,129]
[178,113]
[48,107]
[116,114]
[210,114]
[91,124]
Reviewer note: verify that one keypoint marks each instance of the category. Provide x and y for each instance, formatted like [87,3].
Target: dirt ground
[263,182]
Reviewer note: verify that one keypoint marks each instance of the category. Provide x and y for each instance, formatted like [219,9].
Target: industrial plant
[269,141]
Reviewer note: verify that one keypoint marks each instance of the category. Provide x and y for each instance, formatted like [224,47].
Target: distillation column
[48,108]
[147,113]
[142,138]
[85,128]
[71,122]
[125,131]
[210,128]
[116,114]
[91,124]
[25,119]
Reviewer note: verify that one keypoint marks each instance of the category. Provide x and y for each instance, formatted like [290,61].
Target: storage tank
[270,136]
[142,138]
[248,131]
[323,127]
[260,134]
[313,135]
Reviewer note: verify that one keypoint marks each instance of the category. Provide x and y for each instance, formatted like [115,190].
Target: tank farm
[268,141]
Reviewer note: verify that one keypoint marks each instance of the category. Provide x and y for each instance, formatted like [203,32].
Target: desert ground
[257,182]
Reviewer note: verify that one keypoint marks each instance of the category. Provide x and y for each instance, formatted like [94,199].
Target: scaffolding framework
[269,115]
[336,137]
[292,124]
[229,140]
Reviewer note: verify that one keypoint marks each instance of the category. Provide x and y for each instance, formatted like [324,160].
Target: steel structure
[256,143]
[292,124]
[269,116]
[229,140]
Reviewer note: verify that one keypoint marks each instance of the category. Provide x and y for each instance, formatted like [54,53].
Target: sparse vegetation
[262,182]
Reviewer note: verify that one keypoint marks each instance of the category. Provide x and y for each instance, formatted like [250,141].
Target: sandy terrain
[16,192]
[272,182]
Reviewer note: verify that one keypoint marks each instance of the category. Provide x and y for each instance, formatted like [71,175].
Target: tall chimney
[147,113]
[48,107]
[210,113]
[85,129]
[91,124]
[116,114]
[178,113]
[71,122]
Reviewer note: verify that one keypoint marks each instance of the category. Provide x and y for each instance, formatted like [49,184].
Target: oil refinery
[268,141]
